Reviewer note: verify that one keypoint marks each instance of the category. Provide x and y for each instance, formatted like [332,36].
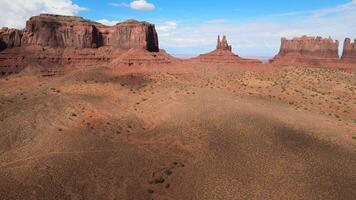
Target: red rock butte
[349,52]
[69,40]
[223,55]
[68,31]
[307,49]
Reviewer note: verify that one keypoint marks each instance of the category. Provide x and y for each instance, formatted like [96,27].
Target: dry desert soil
[179,132]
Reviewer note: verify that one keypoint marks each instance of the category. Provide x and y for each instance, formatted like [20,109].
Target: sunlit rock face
[308,49]
[69,31]
[55,40]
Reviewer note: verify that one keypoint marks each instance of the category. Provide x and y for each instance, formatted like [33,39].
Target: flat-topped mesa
[311,46]
[68,31]
[223,44]
[55,40]
[308,49]
[349,52]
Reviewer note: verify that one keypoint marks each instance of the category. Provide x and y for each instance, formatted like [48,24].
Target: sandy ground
[179,132]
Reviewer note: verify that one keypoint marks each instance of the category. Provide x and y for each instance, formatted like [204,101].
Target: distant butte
[308,50]
[349,52]
[223,55]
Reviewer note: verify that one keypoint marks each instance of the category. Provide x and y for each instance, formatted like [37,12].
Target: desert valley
[90,111]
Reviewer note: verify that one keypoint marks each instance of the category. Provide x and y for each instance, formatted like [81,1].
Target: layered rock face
[10,38]
[349,52]
[223,55]
[67,31]
[310,50]
[131,34]
[71,40]
[61,31]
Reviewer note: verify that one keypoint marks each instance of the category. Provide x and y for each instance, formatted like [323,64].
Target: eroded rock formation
[68,31]
[310,50]
[59,31]
[72,40]
[10,38]
[223,45]
[349,52]
[223,55]
[132,34]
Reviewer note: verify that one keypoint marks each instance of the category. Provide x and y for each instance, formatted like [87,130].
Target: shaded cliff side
[349,52]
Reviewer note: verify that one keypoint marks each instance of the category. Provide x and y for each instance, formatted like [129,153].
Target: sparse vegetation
[168,172]
[159,180]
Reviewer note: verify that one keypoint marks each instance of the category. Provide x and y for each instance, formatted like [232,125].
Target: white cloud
[351,6]
[14,13]
[167,26]
[141,5]
[136,5]
[108,22]
[119,4]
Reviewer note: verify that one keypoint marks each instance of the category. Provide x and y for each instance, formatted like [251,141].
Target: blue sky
[201,10]
[253,27]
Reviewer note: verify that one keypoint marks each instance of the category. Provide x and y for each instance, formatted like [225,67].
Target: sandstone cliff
[60,31]
[131,34]
[10,38]
[69,40]
[67,31]
[349,52]
[305,49]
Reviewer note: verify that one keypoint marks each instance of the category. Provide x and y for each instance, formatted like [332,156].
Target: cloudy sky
[253,27]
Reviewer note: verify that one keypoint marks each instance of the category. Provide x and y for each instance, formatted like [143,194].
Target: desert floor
[179,132]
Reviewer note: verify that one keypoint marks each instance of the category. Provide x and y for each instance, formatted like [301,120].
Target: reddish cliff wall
[131,34]
[310,50]
[67,31]
[66,40]
[10,38]
[349,52]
